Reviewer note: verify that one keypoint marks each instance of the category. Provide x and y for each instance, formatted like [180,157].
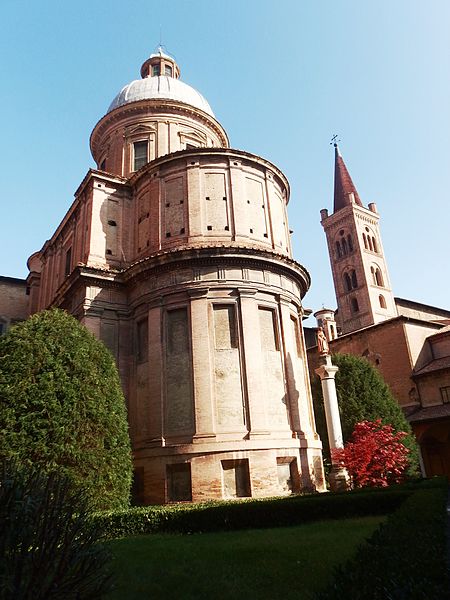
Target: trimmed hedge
[249,514]
[406,558]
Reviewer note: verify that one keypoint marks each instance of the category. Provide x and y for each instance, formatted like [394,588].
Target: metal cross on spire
[334,140]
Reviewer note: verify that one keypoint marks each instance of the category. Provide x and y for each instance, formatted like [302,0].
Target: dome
[160,87]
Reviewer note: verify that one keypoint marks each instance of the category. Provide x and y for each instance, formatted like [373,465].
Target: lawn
[260,564]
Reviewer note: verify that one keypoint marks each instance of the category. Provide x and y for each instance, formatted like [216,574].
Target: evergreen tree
[362,396]
[62,406]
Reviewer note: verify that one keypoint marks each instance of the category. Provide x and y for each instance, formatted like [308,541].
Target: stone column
[338,478]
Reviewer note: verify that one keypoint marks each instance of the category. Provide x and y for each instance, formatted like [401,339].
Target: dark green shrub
[406,558]
[363,396]
[48,542]
[248,514]
[62,406]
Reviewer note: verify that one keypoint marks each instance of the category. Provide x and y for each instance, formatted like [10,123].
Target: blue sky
[281,76]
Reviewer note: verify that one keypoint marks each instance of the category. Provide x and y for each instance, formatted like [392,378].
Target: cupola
[160,63]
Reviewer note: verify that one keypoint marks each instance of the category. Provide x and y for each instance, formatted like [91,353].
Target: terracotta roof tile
[430,412]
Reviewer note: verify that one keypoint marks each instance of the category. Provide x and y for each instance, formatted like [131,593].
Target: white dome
[160,87]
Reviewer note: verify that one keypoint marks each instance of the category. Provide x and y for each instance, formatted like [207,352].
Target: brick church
[407,341]
[176,253]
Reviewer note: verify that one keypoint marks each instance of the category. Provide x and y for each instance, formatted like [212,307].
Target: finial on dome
[160,63]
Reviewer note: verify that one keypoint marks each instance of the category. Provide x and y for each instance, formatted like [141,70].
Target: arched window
[347,282]
[338,250]
[365,241]
[377,277]
[354,305]
[382,301]
[350,243]
[354,279]
[374,244]
[369,240]
[344,247]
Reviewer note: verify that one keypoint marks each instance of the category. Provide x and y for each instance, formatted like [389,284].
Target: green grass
[260,564]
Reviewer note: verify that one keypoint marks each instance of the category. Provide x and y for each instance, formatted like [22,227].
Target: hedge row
[248,514]
[406,558]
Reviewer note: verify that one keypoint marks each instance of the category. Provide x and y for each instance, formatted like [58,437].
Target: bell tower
[361,280]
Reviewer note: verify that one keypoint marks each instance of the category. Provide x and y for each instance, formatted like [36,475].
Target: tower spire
[345,192]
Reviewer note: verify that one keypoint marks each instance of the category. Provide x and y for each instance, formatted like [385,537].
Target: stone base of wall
[227,475]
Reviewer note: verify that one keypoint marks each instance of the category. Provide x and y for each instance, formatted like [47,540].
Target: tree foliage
[363,396]
[62,406]
[374,456]
[49,546]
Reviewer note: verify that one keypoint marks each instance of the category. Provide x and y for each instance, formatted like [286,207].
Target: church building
[408,342]
[176,252]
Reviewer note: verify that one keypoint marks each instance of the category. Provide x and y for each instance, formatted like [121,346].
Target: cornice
[228,153]
[212,255]
[186,256]
[159,107]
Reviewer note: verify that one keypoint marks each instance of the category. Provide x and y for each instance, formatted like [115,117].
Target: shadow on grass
[289,562]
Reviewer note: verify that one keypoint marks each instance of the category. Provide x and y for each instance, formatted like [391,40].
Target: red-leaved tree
[374,456]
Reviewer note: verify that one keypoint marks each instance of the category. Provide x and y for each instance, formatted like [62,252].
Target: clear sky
[281,76]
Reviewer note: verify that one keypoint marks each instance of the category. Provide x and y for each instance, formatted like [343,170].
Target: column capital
[326,370]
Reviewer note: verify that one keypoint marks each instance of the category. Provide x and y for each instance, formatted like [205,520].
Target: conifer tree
[363,396]
[62,406]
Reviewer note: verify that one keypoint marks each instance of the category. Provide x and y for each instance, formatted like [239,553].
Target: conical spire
[344,190]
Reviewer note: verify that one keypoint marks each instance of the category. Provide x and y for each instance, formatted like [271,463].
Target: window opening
[354,305]
[287,475]
[168,70]
[140,154]
[142,340]
[68,264]
[382,301]
[236,478]
[445,394]
[179,482]
[347,282]
[156,70]
[350,243]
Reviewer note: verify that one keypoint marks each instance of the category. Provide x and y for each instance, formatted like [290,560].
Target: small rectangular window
[140,155]
[156,70]
[179,484]
[268,329]
[168,70]
[296,333]
[68,264]
[142,340]
[225,334]
[236,478]
[287,475]
[445,394]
